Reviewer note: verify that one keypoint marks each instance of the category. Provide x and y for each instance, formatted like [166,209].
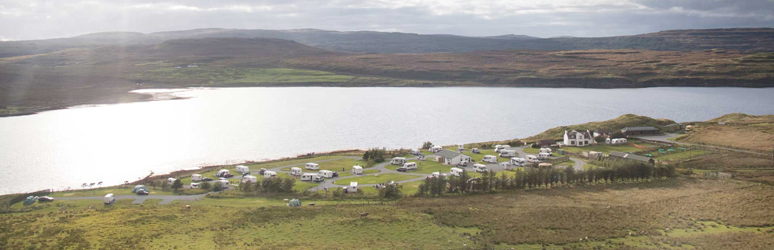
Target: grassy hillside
[628,120]
[739,131]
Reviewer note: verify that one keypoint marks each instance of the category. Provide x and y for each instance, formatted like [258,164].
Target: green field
[607,148]
[372,179]
[116,190]
[426,167]
[679,156]
[233,75]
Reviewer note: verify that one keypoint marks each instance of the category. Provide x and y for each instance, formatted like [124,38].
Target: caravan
[398,161]
[436,149]
[544,156]
[222,173]
[312,166]
[352,188]
[269,174]
[532,159]
[196,177]
[490,159]
[222,183]
[549,151]
[109,199]
[242,169]
[357,170]
[507,153]
[480,168]
[171,181]
[415,151]
[498,148]
[457,171]
[460,147]
[295,171]
[326,173]
[311,177]
[250,178]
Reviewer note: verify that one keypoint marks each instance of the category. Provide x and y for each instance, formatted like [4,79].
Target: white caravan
[109,199]
[507,153]
[457,171]
[549,151]
[410,165]
[544,156]
[250,178]
[295,171]
[326,173]
[352,188]
[171,181]
[222,183]
[242,169]
[516,161]
[195,185]
[196,177]
[415,151]
[480,168]
[532,159]
[357,170]
[436,149]
[398,161]
[269,174]
[501,147]
[490,159]
[312,166]
[309,177]
[221,173]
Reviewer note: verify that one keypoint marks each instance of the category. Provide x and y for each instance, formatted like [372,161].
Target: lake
[115,143]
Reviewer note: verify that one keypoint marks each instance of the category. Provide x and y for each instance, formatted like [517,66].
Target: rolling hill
[628,120]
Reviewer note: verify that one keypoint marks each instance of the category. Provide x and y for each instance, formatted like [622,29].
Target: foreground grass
[673,214]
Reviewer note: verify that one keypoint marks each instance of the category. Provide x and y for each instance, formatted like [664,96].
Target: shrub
[617,134]
[427,145]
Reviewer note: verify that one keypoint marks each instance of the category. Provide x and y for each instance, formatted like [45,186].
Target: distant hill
[755,39]
[628,120]
[740,118]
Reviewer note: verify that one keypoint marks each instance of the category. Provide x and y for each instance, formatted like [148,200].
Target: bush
[427,145]
[375,154]
[617,134]
[390,192]
[206,185]
[600,139]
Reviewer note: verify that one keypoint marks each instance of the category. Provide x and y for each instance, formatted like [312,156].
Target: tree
[390,192]
[427,145]
[177,185]
[206,185]
[618,134]
[600,139]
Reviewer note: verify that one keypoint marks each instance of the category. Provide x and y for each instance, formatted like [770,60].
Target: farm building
[641,131]
[575,138]
[451,158]
[633,157]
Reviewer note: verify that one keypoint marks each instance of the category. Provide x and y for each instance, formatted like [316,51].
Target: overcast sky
[33,19]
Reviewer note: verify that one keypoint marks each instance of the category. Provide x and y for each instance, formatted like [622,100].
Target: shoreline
[170,95]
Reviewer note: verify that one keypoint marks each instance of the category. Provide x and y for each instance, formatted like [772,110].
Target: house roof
[574,133]
[448,154]
[639,129]
[546,142]
[630,156]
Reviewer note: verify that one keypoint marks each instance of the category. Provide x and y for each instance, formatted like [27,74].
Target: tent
[294,203]
[30,200]
[138,187]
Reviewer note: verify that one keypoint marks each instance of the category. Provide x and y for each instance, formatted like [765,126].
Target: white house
[575,138]
[451,158]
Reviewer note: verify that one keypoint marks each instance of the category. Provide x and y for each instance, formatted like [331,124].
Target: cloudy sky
[33,19]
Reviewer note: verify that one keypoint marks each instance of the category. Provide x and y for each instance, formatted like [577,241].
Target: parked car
[401,169]
[207,179]
[475,151]
[335,174]
[260,172]
[228,175]
[45,198]
[142,192]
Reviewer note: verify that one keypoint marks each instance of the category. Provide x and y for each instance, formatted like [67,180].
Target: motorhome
[109,199]
[242,169]
[498,148]
[312,166]
[352,188]
[296,171]
[506,165]
[250,178]
[544,156]
[507,153]
[436,149]
[398,161]
[516,161]
[480,168]
[221,173]
[549,151]
[490,159]
[532,159]
[326,173]
[456,171]
[357,170]
[410,165]
[196,177]
[269,174]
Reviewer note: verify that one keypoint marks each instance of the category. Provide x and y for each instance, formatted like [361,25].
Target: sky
[34,19]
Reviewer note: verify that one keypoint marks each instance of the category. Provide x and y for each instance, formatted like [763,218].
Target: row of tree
[616,171]
[269,185]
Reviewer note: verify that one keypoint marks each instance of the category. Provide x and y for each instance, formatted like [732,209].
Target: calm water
[122,142]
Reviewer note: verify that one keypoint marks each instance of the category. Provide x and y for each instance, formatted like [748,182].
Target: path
[665,139]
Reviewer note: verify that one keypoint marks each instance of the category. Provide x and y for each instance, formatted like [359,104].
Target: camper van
[312,166]
[475,151]
[436,149]
[196,177]
[549,151]
[357,170]
[250,178]
[515,161]
[109,199]
[398,161]
[507,153]
[222,173]
[457,171]
[480,168]
[501,147]
[269,174]
[171,181]
[506,165]
[242,169]
[544,156]
[352,188]
[326,173]
[295,171]
[195,185]
[490,159]
[532,159]
[311,177]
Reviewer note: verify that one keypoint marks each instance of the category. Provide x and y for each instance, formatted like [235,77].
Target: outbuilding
[633,157]
[448,157]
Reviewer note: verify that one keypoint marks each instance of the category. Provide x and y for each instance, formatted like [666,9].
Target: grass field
[671,214]
[426,167]
[372,179]
[116,190]
[607,148]
[234,75]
